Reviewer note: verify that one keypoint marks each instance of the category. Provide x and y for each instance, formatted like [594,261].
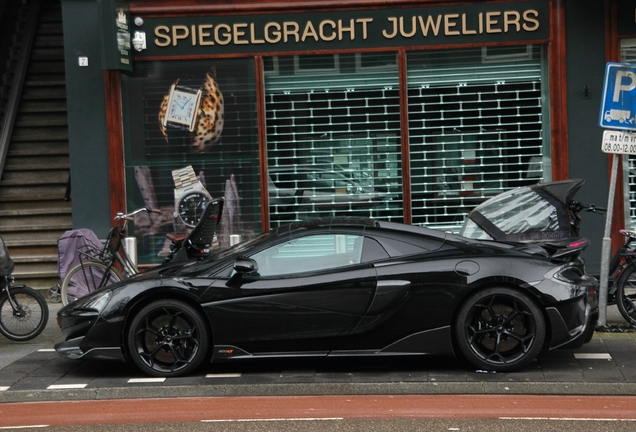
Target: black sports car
[341,287]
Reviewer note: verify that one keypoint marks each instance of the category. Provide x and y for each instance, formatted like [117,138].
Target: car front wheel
[168,338]
[500,329]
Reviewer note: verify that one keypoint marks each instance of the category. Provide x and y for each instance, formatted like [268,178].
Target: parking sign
[618,104]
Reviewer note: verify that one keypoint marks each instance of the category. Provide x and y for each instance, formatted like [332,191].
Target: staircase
[33,187]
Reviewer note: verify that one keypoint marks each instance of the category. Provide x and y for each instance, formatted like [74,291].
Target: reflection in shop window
[476,128]
[218,139]
[333,138]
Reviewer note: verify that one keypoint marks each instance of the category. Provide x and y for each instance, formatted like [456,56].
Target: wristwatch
[190,196]
[183,107]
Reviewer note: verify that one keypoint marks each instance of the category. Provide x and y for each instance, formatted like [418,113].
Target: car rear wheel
[500,329]
[168,338]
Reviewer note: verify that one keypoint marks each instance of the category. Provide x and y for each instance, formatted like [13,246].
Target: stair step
[18,178]
[33,120]
[53,40]
[40,207]
[34,258]
[35,222]
[47,106]
[15,240]
[36,270]
[19,149]
[39,93]
[33,134]
[57,80]
[36,163]
[33,193]
[46,66]
[47,54]
[41,284]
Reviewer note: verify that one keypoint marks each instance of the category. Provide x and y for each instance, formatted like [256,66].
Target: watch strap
[185,178]
[186,89]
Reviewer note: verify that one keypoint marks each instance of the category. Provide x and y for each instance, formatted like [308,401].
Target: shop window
[316,63]
[476,129]
[333,141]
[222,147]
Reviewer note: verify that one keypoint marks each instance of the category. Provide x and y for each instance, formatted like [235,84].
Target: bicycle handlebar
[130,215]
[576,207]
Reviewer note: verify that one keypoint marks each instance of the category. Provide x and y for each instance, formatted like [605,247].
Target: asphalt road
[32,371]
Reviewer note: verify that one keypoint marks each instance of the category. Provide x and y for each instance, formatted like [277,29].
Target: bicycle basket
[6,263]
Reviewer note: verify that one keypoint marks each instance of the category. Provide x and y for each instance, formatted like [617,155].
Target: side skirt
[430,342]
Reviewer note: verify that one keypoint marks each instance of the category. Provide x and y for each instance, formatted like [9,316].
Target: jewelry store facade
[405,111]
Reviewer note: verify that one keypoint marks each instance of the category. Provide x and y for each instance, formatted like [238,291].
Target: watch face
[191,208]
[182,108]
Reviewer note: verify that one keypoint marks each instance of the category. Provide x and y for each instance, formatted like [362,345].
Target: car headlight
[96,302]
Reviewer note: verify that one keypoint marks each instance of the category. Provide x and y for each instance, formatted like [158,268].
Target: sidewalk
[32,371]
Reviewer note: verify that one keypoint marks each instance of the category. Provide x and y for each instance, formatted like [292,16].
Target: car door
[307,291]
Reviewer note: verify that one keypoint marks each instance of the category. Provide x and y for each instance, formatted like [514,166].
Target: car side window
[310,253]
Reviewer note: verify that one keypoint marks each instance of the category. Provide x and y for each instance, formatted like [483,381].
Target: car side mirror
[245,265]
[242,266]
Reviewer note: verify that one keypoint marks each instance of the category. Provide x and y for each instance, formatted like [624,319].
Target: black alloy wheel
[500,329]
[168,338]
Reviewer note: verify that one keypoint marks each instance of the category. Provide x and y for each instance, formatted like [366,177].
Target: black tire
[626,294]
[85,278]
[168,338]
[29,320]
[500,329]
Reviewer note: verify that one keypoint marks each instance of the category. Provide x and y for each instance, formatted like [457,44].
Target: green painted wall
[585,56]
[86,116]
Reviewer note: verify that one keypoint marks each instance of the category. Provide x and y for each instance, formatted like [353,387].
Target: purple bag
[83,239]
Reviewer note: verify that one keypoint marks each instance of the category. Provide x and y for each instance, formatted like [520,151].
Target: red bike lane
[251,408]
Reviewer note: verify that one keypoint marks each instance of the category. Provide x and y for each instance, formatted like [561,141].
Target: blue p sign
[618,105]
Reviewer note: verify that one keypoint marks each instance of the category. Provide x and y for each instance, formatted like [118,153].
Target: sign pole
[607,246]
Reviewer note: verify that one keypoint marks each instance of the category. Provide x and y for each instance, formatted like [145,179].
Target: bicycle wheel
[30,317]
[85,278]
[626,294]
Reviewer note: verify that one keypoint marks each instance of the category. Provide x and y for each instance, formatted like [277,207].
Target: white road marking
[224,375]
[24,427]
[145,380]
[275,419]
[569,419]
[66,386]
[592,356]
[47,350]
[4,388]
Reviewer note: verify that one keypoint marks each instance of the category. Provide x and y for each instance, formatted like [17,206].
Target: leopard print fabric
[211,116]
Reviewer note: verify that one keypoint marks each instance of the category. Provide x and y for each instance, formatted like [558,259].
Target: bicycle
[97,266]
[23,310]
[622,267]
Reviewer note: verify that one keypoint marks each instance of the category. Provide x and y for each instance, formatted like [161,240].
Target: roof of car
[348,222]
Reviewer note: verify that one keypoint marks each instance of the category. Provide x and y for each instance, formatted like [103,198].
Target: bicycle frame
[7,289]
